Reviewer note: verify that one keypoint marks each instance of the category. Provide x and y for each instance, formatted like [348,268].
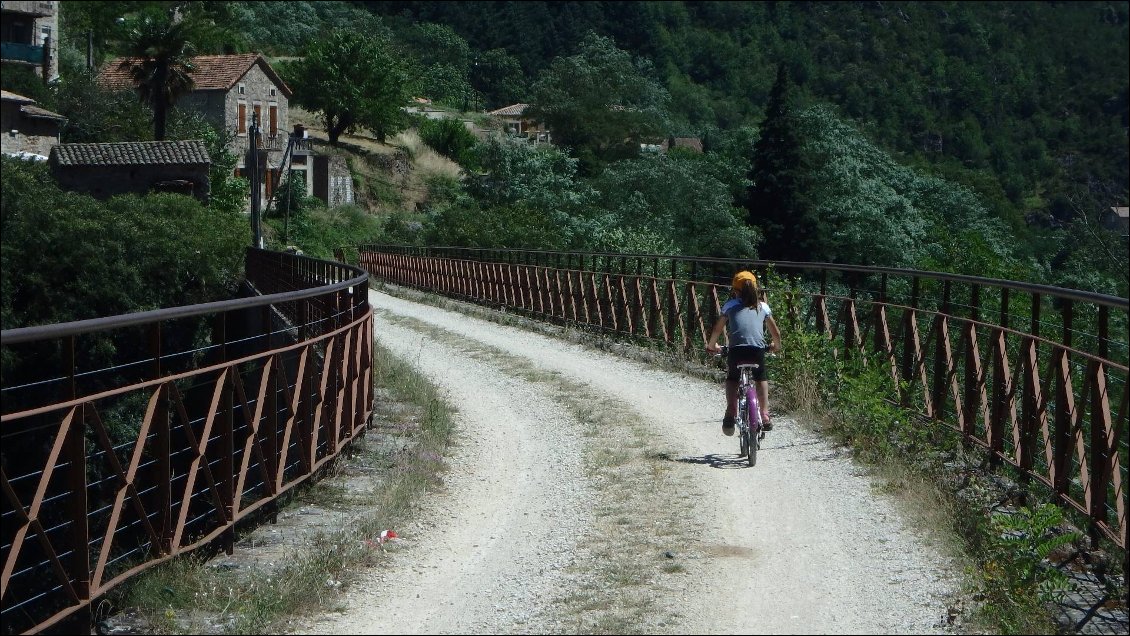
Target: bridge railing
[132,439]
[1034,375]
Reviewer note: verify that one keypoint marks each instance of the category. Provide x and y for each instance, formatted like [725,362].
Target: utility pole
[256,227]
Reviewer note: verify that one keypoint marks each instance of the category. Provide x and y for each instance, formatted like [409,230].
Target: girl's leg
[763,399]
[731,398]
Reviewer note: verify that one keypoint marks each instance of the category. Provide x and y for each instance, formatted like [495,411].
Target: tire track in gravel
[537,521]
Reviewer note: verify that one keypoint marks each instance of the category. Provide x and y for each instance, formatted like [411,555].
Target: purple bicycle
[750,431]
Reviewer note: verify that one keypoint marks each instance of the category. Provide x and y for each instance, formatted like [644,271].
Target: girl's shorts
[746,355]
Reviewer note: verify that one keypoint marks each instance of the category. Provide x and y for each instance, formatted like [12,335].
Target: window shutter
[274,120]
[242,125]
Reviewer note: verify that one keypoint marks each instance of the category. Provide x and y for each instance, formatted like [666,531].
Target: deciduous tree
[600,102]
[352,80]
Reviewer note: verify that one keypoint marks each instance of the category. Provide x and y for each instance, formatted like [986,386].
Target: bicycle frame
[749,415]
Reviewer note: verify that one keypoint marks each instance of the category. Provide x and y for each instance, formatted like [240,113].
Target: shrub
[450,138]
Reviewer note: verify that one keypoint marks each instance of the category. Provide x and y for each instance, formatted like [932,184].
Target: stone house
[1117,219]
[693,144]
[232,92]
[29,36]
[515,122]
[26,127]
[106,170]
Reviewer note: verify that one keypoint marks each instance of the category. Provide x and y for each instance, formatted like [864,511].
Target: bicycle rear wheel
[753,417]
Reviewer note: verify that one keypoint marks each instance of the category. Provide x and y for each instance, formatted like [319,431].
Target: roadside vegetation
[405,451]
[1008,544]
[992,165]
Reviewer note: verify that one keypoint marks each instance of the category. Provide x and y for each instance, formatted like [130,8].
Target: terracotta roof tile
[514,110]
[12,97]
[132,153]
[210,72]
[39,113]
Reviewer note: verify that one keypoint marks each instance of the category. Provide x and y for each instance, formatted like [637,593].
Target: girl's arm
[712,344]
[776,333]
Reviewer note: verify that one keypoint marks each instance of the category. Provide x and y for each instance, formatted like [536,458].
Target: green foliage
[289,28]
[228,193]
[27,81]
[98,115]
[600,102]
[779,199]
[443,61]
[541,177]
[352,80]
[158,51]
[450,138]
[1015,102]
[69,257]
[681,201]
[290,198]
[514,225]
[320,230]
[497,76]
[1017,580]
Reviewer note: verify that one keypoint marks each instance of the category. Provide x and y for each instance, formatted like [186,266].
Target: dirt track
[592,493]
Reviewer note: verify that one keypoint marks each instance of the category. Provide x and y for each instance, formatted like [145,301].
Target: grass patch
[187,595]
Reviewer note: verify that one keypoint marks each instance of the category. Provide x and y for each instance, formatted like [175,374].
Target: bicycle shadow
[724,461]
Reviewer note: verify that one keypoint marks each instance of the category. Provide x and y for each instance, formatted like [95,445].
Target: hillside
[390,177]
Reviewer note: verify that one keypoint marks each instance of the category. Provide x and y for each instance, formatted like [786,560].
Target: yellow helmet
[741,278]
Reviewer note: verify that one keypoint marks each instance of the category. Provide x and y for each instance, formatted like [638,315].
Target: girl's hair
[750,295]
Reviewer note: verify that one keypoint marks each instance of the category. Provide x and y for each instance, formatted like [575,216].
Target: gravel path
[802,543]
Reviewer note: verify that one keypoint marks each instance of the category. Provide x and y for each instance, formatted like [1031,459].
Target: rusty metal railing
[1034,375]
[133,439]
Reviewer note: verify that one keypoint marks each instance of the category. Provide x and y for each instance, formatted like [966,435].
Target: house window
[242,89]
[241,126]
[272,92]
[258,119]
[274,111]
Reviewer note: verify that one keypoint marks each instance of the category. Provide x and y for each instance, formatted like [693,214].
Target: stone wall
[103,182]
[257,88]
[33,135]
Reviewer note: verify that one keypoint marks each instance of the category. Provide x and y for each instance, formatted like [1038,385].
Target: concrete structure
[26,127]
[29,36]
[106,170]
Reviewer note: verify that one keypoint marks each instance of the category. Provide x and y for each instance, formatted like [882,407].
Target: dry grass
[425,163]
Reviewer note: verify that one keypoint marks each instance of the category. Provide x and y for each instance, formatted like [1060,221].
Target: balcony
[38,9]
[16,52]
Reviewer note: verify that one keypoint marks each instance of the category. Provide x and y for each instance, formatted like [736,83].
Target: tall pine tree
[778,200]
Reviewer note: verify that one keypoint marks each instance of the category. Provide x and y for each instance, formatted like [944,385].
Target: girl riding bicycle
[745,317]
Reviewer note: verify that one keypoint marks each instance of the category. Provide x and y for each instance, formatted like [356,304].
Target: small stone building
[106,170]
[516,122]
[232,91]
[26,127]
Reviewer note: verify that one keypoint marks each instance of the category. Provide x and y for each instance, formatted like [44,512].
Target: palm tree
[159,60]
